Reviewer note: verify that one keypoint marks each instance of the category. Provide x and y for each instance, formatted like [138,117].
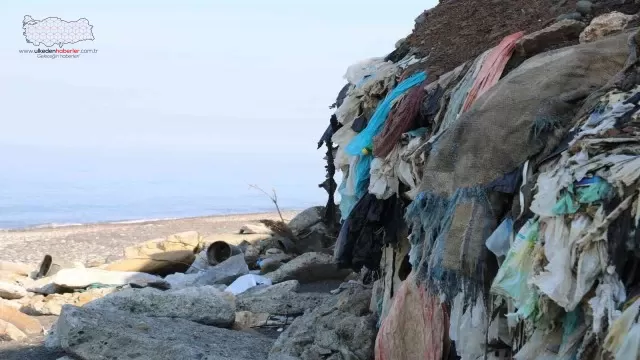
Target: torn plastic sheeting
[364,140]
[468,328]
[620,328]
[630,348]
[610,294]
[246,282]
[549,185]
[358,72]
[492,68]
[500,241]
[511,280]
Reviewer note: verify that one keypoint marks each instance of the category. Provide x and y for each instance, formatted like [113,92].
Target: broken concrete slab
[279,299]
[309,267]
[339,328]
[205,305]
[82,278]
[93,334]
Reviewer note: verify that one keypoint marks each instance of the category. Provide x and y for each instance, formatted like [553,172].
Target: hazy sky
[184,100]
[222,76]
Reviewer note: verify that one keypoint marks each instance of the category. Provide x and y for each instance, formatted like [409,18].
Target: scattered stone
[9,332]
[309,267]
[563,32]
[258,228]
[605,25]
[25,323]
[11,291]
[338,329]
[82,278]
[95,261]
[306,219]
[570,16]
[248,320]
[180,281]
[251,255]
[269,265]
[224,273]
[421,18]
[584,7]
[205,305]
[201,263]
[92,334]
[279,299]
[18,268]
[274,251]
[52,304]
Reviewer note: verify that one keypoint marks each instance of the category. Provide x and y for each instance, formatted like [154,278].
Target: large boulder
[309,267]
[82,278]
[279,299]
[306,219]
[97,334]
[605,25]
[160,256]
[341,328]
[224,273]
[205,305]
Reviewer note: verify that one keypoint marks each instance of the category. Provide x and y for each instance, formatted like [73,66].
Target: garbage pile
[190,297]
[496,204]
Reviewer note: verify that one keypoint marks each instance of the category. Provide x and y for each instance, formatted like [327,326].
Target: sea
[45,187]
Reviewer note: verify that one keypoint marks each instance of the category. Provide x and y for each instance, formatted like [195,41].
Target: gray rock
[95,334]
[570,16]
[279,299]
[562,32]
[421,18]
[306,219]
[341,328]
[584,7]
[309,267]
[224,273]
[400,42]
[78,278]
[204,305]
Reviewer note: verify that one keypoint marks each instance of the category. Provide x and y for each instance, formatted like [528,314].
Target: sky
[177,78]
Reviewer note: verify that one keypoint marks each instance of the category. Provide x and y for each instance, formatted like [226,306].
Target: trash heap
[496,205]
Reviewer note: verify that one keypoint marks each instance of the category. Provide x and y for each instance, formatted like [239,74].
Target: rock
[247,320]
[160,256]
[52,304]
[400,42]
[205,305]
[180,281]
[15,278]
[14,304]
[562,32]
[269,265]
[258,228]
[584,7]
[273,251]
[25,323]
[82,278]
[9,332]
[18,268]
[251,255]
[306,219]
[339,328]
[201,263]
[309,267]
[93,334]
[280,299]
[64,358]
[45,286]
[605,25]
[315,238]
[224,273]
[421,18]
[11,291]
[569,16]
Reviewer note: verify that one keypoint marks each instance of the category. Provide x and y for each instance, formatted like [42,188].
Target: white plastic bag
[246,282]
[500,241]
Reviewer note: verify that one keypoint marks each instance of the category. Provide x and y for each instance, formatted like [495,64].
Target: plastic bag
[357,72]
[246,282]
[511,280]
[500,241]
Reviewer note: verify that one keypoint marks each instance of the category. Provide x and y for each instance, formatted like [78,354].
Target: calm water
[54,186]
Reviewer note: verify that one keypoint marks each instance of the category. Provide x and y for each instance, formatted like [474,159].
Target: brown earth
[456,31]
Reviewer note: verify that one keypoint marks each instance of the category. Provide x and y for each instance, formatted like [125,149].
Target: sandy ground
[82,242]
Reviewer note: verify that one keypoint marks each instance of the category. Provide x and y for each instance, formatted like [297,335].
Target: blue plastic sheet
[364,140]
